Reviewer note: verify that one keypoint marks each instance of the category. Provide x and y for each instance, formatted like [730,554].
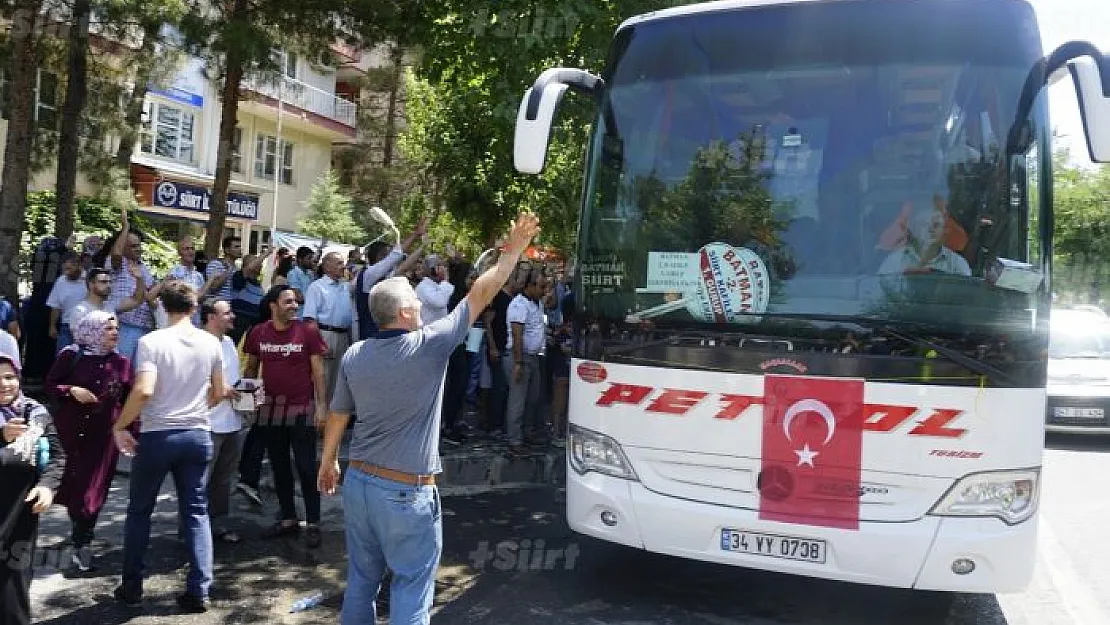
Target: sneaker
[192,604]
[312,536]
[279,530]
[127,599]
[82,559]
[250,493]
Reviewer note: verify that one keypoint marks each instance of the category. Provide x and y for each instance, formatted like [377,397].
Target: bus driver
[924,250]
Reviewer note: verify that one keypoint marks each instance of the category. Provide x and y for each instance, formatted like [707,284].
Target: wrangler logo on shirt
[280,348]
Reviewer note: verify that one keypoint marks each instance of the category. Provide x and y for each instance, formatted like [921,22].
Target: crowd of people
[410,351]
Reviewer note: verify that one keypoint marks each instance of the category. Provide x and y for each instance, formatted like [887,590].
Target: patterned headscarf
[91,332]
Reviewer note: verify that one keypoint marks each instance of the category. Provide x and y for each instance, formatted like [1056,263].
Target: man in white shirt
[524,368]
[67,292]
[434,291]
[186,271]
[98,295]
[327,302]
[924,251]
[178,380]
[227,426]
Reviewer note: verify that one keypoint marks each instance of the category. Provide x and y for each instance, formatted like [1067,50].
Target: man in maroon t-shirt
[291,353]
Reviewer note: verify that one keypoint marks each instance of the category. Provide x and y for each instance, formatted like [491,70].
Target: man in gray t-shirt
[393,384]
[178,380]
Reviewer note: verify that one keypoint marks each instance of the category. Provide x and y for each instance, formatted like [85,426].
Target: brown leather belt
[396,476]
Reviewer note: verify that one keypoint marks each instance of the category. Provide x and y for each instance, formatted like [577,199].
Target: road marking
[1075,594]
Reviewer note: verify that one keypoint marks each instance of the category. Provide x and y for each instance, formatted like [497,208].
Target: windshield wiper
[987,370]
[999,377]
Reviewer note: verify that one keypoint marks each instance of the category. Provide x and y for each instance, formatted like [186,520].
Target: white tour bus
[812,285]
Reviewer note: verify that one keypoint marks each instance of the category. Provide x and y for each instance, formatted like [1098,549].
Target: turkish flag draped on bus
[812,451]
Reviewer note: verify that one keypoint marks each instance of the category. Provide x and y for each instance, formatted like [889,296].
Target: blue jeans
[129,336]
[185,454]
[394,525]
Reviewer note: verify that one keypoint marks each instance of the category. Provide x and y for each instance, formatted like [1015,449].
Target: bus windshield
[832,159]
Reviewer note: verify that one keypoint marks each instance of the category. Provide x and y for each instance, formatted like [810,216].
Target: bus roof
[717,5]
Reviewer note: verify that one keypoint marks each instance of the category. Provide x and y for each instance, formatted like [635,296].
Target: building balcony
[320,104]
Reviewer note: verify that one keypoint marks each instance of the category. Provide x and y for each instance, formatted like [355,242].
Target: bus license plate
[773,545]
[1079,413]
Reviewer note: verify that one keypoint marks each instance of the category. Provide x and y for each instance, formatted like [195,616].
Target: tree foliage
[94,215]
[463,103]
[330,213]
[1081,201]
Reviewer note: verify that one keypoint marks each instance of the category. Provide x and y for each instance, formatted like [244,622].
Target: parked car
[1078,372]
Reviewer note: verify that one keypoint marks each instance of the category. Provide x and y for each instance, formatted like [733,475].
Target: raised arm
[139,296]
[523,230]
[121,241]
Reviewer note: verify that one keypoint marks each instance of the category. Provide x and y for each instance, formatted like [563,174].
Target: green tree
[329,213]
[461,110]
[1081,207]
[23,39]
[244,40]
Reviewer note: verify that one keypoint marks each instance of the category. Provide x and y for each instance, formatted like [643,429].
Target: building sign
[193,198]
[188,85]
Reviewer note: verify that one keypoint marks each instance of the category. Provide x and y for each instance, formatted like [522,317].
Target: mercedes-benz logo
[775,483]
[166,194]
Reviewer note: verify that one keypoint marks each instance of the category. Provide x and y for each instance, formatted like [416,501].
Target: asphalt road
[573,581]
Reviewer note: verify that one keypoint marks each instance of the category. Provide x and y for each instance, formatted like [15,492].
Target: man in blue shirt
[302,275]
[393,384]
[327,303]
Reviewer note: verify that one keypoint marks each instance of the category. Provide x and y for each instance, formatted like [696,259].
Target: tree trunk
[69,136]
[397,56]
[229,109]
[21,72]
[134,115]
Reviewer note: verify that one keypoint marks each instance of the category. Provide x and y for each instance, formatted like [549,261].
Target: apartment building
[287,127]
[283,143]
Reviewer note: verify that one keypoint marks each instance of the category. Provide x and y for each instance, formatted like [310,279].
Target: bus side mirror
[1092,85]
[537,113]
[532,136]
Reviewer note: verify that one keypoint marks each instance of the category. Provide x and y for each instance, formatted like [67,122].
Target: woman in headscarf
[89,382]
[26,489]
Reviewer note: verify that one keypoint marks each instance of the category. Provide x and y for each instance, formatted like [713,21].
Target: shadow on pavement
[529,575]
[508,558]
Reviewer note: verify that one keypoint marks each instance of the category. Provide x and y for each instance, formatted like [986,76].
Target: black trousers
[454,387]
[18,533]
[299,437]
[254,450]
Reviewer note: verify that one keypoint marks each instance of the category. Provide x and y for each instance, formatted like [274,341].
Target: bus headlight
[591,451]
[1008,495]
